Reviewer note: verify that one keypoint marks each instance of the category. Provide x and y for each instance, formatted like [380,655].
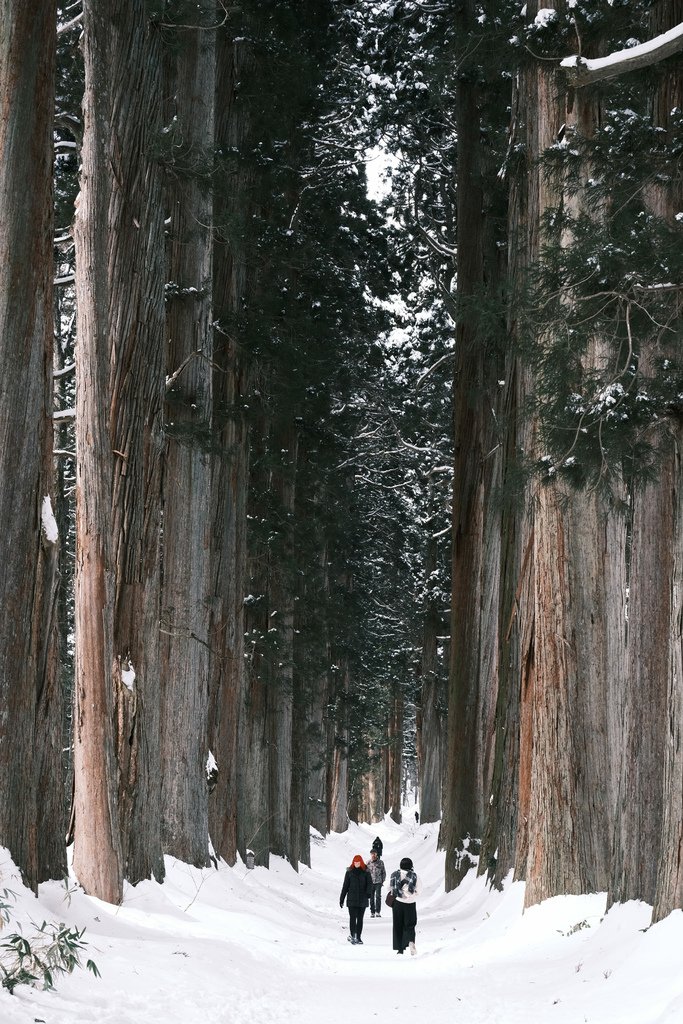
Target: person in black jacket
[406,887]
[357,888]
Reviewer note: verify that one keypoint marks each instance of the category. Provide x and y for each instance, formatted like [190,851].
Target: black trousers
[405,919]
[376,898]
[356,920]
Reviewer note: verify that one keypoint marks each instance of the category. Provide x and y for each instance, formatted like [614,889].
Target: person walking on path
[357,889]
[377,846]
[378,873]
[405,886]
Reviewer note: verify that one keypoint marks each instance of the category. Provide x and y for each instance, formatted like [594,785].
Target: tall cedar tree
[31,815]
[119,244]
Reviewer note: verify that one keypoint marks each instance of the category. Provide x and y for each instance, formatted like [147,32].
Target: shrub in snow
[52,950]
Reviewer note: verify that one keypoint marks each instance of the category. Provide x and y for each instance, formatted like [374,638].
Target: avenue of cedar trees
[314,497]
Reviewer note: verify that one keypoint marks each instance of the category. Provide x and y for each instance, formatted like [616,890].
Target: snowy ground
[232,946]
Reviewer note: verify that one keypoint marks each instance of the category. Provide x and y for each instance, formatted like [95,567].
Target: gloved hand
[341,903]
[404,881]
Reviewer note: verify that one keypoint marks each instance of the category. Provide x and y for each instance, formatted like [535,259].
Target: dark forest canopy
[356,493]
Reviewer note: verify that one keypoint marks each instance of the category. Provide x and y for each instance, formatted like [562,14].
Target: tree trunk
[580,585]
[319,716]
[233,285]
[338,757]
[669,888]
[655,700]
[254,748]
[475,570]
[136,337]
[281,636]
[98,860]
[119,244]
[186,590]
[430,738]
[300,844]
[394,775]
[31,815]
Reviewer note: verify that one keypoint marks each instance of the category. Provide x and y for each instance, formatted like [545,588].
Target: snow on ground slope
[232,946]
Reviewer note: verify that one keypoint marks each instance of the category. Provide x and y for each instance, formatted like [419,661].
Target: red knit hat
[355,860]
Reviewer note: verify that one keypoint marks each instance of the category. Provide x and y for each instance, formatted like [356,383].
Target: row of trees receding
[216,344]
[280,389]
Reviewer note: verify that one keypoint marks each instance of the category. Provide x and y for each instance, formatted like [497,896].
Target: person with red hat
[356,889]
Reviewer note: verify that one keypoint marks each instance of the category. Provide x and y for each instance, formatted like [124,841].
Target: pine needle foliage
[603,308]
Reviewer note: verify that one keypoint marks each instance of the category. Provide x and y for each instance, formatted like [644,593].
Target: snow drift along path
[232,946]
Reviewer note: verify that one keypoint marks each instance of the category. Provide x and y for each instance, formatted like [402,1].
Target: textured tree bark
[669,887]
[504,841]
[98,862]
[31,816]
[372,787]
[253,741]
[299,830]
[136,339]
[650,867]
[281,632]
[338,757]
[119,386]
[318,721]
[394,775]
[431,722]
[233,283]
[475,534]
[186,587]
[578,551]
[646,712]
[580,588]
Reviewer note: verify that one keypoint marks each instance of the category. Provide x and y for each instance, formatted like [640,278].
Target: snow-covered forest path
[234,947]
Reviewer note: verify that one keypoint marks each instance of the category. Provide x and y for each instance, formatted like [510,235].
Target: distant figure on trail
[378,873]
[417,817]
[405,886]
[378,845]
[357,889]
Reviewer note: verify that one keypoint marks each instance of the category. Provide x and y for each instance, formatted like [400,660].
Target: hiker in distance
[378,873]
[405,886]
[357,889]
[377,845]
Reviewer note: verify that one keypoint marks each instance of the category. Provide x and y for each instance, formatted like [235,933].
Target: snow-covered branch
[64,415]
[64,371]
[584,72]
[68,25]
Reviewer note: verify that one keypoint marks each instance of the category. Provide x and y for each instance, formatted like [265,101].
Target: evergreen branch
[582,72]
[433,367]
